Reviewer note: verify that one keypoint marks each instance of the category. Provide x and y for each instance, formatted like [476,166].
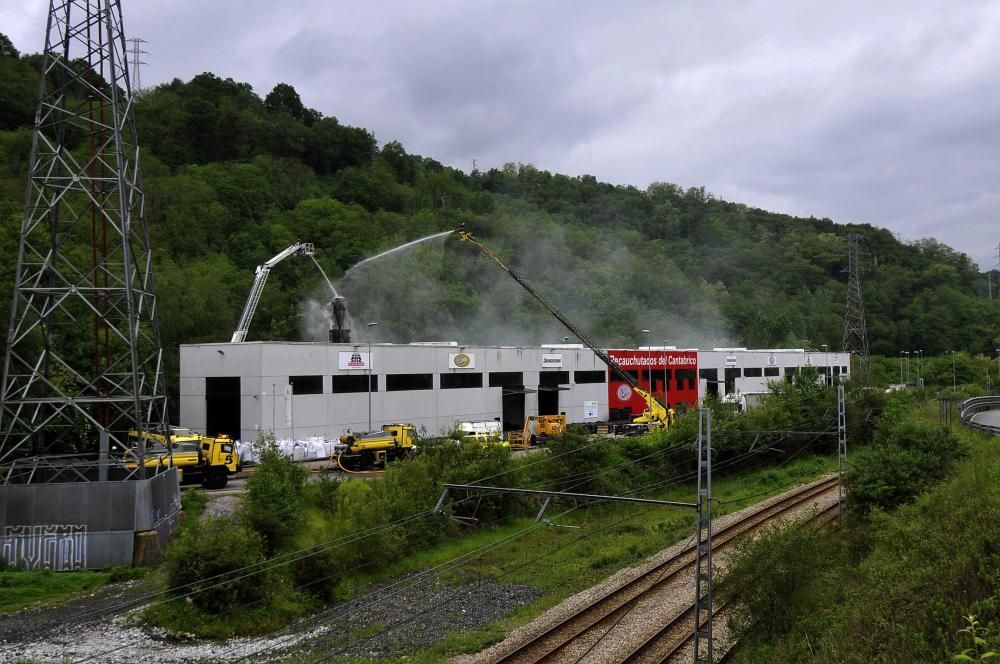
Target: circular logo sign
[462,360]
[624,392]
[771,361]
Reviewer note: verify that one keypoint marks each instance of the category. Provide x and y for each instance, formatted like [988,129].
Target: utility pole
[649,373]
[703,544]
[855,332]
[84,190]
[136,61]
[841,447]
[371,329]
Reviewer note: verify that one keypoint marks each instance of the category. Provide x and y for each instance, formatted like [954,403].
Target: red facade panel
[680,367]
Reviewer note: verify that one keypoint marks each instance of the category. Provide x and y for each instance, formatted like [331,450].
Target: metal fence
[971,407]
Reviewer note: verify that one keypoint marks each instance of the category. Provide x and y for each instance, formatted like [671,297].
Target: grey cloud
[882,113]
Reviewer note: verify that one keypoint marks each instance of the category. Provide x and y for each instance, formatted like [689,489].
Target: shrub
[273,505]
[905,459]
[208,556]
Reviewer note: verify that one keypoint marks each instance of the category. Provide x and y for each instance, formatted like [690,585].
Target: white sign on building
[461,360]
[590,410]
[353,359]
[551,361]
[730,360]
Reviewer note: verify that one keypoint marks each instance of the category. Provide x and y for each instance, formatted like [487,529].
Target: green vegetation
[890,586]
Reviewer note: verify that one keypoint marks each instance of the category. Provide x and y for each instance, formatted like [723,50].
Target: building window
[306,384]
[753,372]
[771,371]
[506,379]
[454,381]
[582,377]
[689,376]
[404,382]
[353,383]
[634,373]
[843,369]
[553,378]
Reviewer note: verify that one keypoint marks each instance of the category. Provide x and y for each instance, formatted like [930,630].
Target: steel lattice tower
[83,355]
[855,332]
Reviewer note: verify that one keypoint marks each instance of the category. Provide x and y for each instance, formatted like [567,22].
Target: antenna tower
[83,361]
[855,332]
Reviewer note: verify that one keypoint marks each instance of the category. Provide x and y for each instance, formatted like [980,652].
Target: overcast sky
[886,113]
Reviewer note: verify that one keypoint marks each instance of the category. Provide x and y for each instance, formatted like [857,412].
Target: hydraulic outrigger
[656,414]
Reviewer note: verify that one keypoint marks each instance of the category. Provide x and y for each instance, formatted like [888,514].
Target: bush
[906,458]
[208,555]
[273,505]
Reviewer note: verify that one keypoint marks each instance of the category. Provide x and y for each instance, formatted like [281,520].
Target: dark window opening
[548,402]
[583,377]
[404,382]
[687,376]
[731,376]
[711,377]
[553,378]
[506,379]
[453,381]
[771,371]
[843,370]
[753,372]
[632,372]
[789,374]
[350,383]
[306,384]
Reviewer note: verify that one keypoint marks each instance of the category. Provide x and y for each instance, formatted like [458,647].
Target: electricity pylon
[83,361]
[855,332]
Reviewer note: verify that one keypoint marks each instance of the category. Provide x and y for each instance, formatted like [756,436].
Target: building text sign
[353,359]
[551,361]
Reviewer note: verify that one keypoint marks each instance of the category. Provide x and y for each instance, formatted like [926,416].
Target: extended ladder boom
[654,405]
[300,248]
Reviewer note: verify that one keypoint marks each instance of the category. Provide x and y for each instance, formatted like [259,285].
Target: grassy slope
[896,588]
[21,590]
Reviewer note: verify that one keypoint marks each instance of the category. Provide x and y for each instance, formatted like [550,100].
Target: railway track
[647,594]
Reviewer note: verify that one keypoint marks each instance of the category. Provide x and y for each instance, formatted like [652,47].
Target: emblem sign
[461,360]
[624,392]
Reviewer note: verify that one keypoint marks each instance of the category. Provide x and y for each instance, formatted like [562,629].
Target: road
[987,417]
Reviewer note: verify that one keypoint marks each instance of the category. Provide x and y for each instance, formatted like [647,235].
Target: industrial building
[302,390]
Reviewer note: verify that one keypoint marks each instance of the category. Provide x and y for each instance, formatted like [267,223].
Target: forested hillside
[232,178]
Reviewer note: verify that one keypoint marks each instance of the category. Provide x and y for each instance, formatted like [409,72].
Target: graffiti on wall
[57,547]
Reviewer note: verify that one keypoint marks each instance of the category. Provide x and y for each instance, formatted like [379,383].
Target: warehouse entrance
[512,406]
[222,406]
[550,383]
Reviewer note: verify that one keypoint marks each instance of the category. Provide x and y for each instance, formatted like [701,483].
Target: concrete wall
[264,369]
[779,358]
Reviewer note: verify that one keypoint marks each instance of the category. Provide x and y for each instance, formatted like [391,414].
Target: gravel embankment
[404,618]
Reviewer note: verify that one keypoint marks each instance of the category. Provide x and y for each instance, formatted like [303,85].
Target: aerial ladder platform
[300,249]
